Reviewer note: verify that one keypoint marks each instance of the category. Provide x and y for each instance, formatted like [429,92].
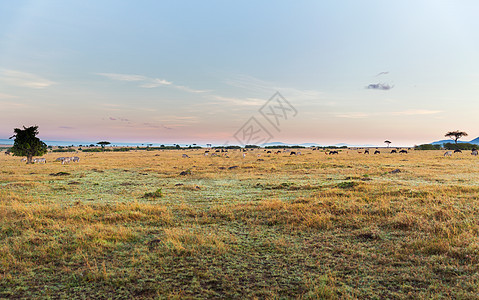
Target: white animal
[474,152]
[40,160]
[75,159]
[448,153]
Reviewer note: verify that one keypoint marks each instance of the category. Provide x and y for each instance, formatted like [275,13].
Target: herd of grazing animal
[63,160]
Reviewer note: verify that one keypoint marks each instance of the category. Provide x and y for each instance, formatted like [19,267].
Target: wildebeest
[366,151]
[268,152]
[403,151]
[377,152]
[394,151]
[333,152]
[292,153]
[7,152]
[474,152]
[457,151]
[448,153]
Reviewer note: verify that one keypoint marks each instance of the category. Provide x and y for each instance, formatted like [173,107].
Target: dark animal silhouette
[377,152]
[292,153]
[394,151]
[457,151]
[403,151]
[366,151]
[333,152]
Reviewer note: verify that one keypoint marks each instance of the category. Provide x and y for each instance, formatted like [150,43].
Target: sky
[357,72]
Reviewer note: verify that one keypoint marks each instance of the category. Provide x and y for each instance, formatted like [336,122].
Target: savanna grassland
[124,225]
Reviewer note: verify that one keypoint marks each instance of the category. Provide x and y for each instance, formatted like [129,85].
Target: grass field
[123,225]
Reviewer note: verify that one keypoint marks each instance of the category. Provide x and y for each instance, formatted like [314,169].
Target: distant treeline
[447,146]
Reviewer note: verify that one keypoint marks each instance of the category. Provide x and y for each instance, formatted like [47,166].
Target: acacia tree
[455,135]
[103,143]
[387,142]
[27,144]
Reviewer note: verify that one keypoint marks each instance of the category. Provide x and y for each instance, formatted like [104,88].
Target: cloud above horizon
[411,112]
[379,86]
[148,82]
[24,79]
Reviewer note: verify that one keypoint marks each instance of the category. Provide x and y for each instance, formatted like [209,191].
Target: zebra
[40,160]
[474,152]
[185,156]
[66,160]
[448,153]
[75,159]
[60,159]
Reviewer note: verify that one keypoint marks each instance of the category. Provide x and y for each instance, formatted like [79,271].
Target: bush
[156,194]
[460,146]
[427,147]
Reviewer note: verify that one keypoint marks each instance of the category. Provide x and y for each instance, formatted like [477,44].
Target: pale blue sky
[196,71]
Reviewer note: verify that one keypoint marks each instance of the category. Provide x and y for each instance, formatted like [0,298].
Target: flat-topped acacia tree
[103,144]
[27,144]
[455,135]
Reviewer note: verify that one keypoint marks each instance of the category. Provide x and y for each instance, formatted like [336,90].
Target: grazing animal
[333,152]
[7,152]
[75,159]
[394,151]
[403,151]
[39,160]
[474,152]
[66,160]
[377,152]
[23,159]
[244,155]
[60,159]
[292,153]
[185,156]
[457,151]
[448,153]
[366,151]
[268,152]
[217,151]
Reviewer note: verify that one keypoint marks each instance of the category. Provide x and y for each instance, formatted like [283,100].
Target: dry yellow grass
[309,226]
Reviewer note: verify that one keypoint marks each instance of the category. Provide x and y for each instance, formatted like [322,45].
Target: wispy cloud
[148,82]
[260,87]
[24,79]
[353,115]
[123,77]
[239,101]
[379,86]
[411,112]
[381,73]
